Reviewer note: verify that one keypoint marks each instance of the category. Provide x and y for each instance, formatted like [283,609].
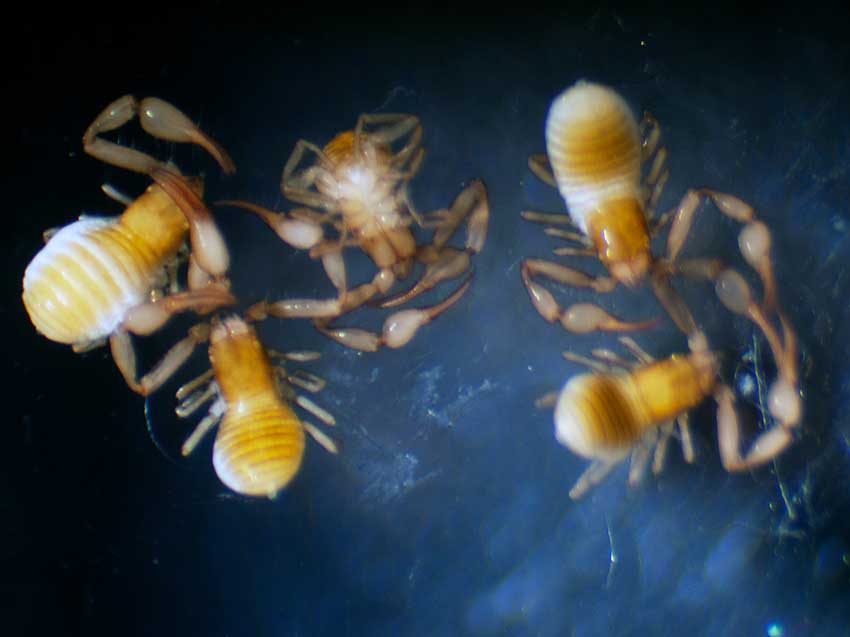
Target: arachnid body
[594,155]
[260,442]
[358,184]
[101,278]
[595,149]
[630,410]
[623,410]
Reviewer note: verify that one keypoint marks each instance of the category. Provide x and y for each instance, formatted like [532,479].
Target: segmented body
[80,285]
[260,441]
[593,145]
[603,416]
[368,196]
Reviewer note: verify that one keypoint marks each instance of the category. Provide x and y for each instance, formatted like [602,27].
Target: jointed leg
[558,219]
[583,247]
[685,435]
[189,388]
[542,169]
[125,358]
[299,377]
[311,383]
[449,264]
[472,204]
[766,446]
[208,246]
[729,205]
[446,263]
[640,456]
[299,232]
[567,251]
[754,242]
[189,395]
[599,363]
[399,327]
[389,128]
[657,175]
[322,438]
[116,195]
[158,118]
[665,432]
[570,235]
[593,475]
[146,318]
[581,317]
[297,185]
[672,303]
[205,426]
[324,310]
[641,355]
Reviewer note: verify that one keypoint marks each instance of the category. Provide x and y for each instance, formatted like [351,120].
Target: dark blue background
[447,511]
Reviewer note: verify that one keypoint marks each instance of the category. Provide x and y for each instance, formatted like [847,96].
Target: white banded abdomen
[593,145]
[79,287]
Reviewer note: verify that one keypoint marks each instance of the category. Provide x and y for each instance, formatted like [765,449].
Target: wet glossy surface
[447,510]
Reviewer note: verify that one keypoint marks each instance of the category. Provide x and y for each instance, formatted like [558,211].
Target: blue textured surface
[447,511]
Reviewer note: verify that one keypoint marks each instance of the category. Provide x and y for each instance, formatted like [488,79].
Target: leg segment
[665,433]
[583,245]
[208,246]
[685,434]
[542,169]
[640,457]
[580,318]
[125,358]
[766,446]
[205,426]
[472,204]
[300,186]
[324,310]
[593,475]
[298,232]
[657,175]
[445,263]
[686,212]
[388,128]
[672,303]
[754,242]
[116,195]
[399,328]
[548,217]
[311,383]
[146,318]
[158,118]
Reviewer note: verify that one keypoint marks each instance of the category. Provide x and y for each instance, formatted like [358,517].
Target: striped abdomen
[259,447]
[78,288]
[604,415]
[593,146]
[260,441]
